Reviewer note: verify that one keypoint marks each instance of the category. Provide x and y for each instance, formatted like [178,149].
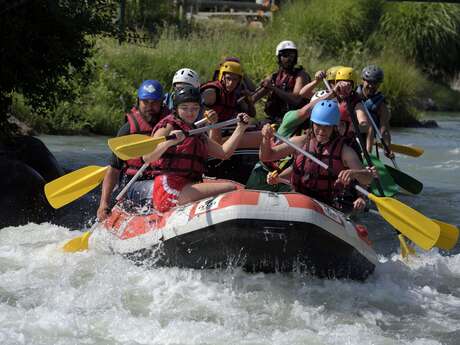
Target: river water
[49,297]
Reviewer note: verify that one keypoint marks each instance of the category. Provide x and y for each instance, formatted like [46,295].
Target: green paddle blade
[419,229]
[133,145]
[449,235]
[70,187]
[412,151]
[388,184]
[405,181]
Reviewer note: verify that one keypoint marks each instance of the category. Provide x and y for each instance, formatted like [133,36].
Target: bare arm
[227,149]
[162,147]
[294,97]
[268,153]
[356,170]
[363,121]
[110,180]
[307,91]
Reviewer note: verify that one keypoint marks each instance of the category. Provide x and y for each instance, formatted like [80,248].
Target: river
[49,297]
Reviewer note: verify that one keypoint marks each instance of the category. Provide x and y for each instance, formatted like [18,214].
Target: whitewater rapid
[50,297]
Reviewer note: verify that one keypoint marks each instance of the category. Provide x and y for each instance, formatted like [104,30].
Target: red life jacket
[344,113]
[137,125]
[187,158]
[226,103]
[275,107]
[310,179]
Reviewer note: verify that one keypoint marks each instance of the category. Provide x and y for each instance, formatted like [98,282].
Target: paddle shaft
[377,133]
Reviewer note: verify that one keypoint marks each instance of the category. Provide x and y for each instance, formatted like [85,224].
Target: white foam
[51,297]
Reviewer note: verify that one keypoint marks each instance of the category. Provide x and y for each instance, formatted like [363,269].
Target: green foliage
[44,41]
[428,34]
[327,33]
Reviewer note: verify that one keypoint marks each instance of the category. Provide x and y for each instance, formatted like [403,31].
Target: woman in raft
[323,141]
[180,163]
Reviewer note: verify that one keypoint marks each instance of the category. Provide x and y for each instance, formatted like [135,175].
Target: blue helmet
[326,113]
[150,90]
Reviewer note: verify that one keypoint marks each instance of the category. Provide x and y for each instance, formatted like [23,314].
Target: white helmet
[318,94]
[188,76]
[285,45]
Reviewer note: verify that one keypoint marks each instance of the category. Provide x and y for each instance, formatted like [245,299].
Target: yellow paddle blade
[133,145]
[412,224]
[77,244]
[70,187]
[412,151]
[449,235]
[406,249]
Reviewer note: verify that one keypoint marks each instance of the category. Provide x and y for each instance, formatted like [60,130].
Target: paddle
[412,151]
[414,225]
[388,184]
[403,180]
[80,243]
[136,145]
[447,239]
[70,187]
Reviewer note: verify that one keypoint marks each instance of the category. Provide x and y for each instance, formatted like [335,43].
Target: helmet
[325,113]
[318,94]
[187,94]
[285,45]
[187,76]
[372,73]
[230,67]
[346,73]
[150,90]
[331,73]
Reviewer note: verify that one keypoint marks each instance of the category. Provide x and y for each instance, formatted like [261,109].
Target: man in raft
[374,101]
[323,141]
[140,120]
[178,164]
[283,87]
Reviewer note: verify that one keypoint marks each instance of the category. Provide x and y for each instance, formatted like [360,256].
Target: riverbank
[105,90]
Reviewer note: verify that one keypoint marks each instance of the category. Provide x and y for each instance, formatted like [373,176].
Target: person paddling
[322,140]
[179,163]
[222,95]
[140,120]
[182,77]
[350,101]
[374,101]
[283,87]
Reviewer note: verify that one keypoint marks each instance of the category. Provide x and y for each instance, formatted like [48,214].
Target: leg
[197,191]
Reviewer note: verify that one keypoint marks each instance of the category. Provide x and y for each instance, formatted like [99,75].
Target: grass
[346,34]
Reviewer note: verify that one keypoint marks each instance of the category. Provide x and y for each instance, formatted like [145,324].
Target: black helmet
[372,73]
[187,94]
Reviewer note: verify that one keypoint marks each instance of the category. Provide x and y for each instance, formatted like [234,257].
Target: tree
[42,42]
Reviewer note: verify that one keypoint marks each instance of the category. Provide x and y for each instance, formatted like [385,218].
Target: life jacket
[226,105]
[372,103]
[313,180]
[275,107]
[137,125]
[351,101]
[187,158]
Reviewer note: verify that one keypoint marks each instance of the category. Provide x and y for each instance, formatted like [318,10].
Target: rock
[25,166]
[34,153]
[22,198]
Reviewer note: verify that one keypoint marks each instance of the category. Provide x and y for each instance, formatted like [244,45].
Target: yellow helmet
[346,73]
[230,67]
[331,72]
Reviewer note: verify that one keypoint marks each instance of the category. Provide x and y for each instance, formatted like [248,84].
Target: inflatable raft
[259,231]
